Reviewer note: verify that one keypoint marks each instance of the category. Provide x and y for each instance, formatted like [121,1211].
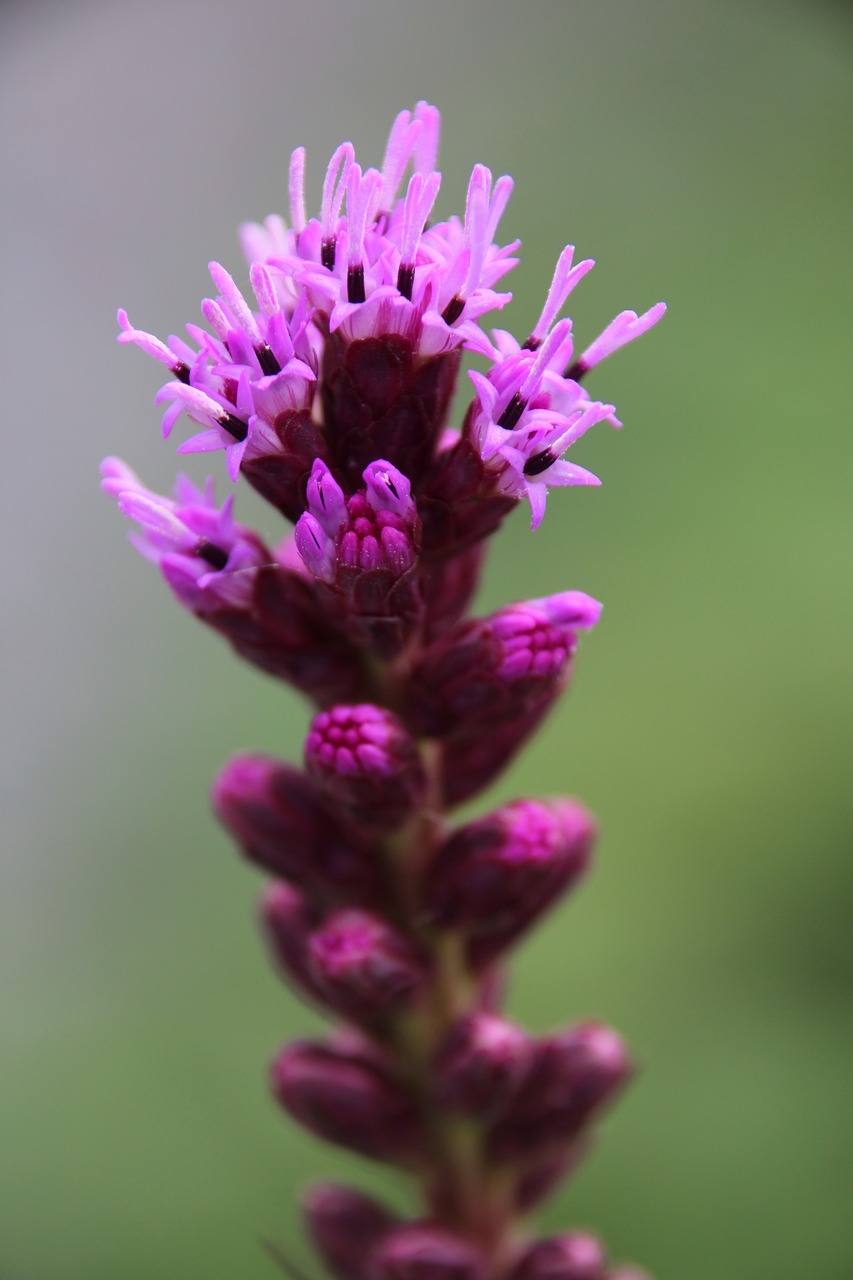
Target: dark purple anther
[347,1098]
[327,254]
[364,966]
[234,426]
[481,1063]
[406,279]
[213,555]
[570,1257]
[267,360]
[573,1074]
[425,1252]
[511,414]
[345,1226]
[453,310]
[366,761]
[355,283]
[539,462]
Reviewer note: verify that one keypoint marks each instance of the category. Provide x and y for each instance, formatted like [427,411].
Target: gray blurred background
[697,151]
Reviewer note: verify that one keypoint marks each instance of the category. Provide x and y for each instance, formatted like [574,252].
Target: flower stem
[460,1188]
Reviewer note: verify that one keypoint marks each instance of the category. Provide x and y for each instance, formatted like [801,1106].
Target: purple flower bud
[389,490]
[348,1098]
[424,1252]
[628,1273]
[460,505]
[540,1178]
[488,669]
[316,547]
[365,548]
[569,1257]
[325,499]
[288,634]
[496,875]
[539,635]
[481,1064]
[288,918]
[448,588]
[345,1226]
[573,1074]
[363,965]
[279,818]
[352,961]
[366,761]
[380,401]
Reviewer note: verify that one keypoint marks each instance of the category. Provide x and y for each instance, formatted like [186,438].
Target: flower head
[201,550]
[346,345]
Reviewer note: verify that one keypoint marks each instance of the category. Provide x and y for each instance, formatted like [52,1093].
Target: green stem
[461,1187]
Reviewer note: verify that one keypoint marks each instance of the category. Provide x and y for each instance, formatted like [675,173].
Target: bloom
[327,380]
[347,348]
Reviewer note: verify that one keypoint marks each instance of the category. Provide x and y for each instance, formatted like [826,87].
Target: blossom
[327,378]
[202,552]
[347,348]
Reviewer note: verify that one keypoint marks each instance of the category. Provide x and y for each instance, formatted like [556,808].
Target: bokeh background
[697,151]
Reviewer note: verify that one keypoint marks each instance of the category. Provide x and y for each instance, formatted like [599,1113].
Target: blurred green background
[697,151]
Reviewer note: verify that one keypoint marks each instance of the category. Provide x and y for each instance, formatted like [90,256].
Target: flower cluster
[328,382]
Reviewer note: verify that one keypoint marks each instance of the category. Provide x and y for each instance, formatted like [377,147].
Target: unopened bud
[481,1063]
[424,1252]
[280,819]
[545,1174]
[363,965]
[345,1226]
[569,1257]
[449,586]
[288,919]
[573,1074]
[381,400]
[348,1098]
[475,754]
[288,633]
[461,504]
[495,875]
[489,668]
[367,762]
[365,549]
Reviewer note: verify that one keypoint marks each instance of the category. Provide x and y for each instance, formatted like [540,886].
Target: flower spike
[328,382]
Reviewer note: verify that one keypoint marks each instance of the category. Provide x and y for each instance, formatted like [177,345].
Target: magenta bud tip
[570,1257]
[424,1252]
[367,761]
